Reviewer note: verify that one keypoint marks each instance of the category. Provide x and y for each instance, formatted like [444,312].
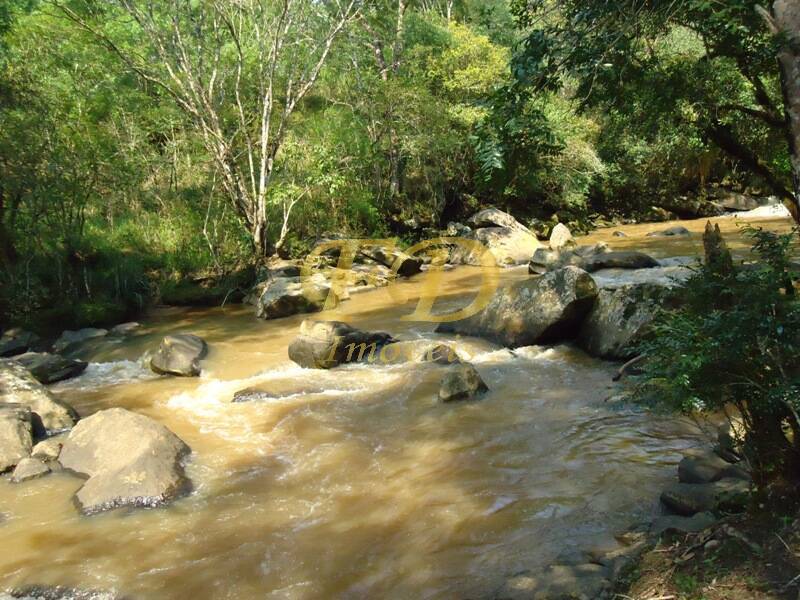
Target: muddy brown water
[356,483]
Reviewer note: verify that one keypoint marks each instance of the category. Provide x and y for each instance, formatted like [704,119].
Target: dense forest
[146,144]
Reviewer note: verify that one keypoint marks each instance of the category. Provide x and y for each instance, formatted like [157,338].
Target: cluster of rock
[127,459]
[707,486]
[509,241]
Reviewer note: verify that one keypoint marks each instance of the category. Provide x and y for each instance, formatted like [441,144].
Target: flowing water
[355,483]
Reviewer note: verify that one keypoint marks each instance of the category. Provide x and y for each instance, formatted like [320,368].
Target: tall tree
[238,70]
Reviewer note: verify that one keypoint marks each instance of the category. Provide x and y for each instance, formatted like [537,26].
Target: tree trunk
[786,15]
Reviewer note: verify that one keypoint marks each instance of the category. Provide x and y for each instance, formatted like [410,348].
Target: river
[356,483]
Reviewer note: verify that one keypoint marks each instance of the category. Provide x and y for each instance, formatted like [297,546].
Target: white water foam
[775,211]
[105,374]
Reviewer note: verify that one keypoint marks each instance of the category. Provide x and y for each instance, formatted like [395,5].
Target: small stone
[619,234]
[29,468]
[124,329]
[670,232]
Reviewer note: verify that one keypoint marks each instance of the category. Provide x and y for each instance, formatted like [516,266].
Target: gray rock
[545,260]
[47,592]
[670,232]
[620,234]
[49,449]
[17,341]
[400,262]
[690,498]
[18,386]
[179,355]
[539,310]
[560,237]
[29,468]
[73,338]
[129,459]
[492,217]
[124,329]
[620,260]
[419,351]
[50,368]
[461,382]
[708,467]
[674,523]
[559,582]
[287,296]
[619,319]
[16,435]
[328,344]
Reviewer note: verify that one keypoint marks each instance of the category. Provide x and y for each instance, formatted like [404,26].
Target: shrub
[733,346]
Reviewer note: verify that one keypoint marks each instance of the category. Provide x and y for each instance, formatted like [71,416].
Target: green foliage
[734,343]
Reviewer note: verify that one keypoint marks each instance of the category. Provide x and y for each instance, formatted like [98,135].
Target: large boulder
[17,341]
[286,296]
[18,386]
[691,498]
[328,344]
[50,368]
[589,258]
[397,260]
[461,382]
[508,240]
[179,355]
[16,435]
[129,459]
[538,310]
[71,339]
[561,237]
[619,319]
[492,217]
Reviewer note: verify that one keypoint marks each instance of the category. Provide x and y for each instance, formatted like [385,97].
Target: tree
[610,51]
[238,70]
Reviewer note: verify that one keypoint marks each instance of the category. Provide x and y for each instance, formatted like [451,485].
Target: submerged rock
[129,459]
[328,344]
[461,382]
[670,232]
[534,311]
[180,355]
[16,435]
[29,468]
[421,351]
[568,582]
[47,592]
[51,368]
[17,341]
[73,338]
[124,329]
[18,386]
[619,319]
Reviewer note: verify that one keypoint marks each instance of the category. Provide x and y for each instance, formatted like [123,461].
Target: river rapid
[356,482]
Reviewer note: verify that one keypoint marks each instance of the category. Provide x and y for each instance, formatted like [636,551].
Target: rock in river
[29,468]
[670,232]
[179,355]
[397,260]
[539,310]
[16,341]
[73,338]
[327,344]
[560,237]
[707,467]
[461,382]
[16,435]
[18,386]
[50,368]
[130,460]
[691,498]
[619,319]
[286,296]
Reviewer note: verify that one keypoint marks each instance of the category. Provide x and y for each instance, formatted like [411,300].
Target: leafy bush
[733,345]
